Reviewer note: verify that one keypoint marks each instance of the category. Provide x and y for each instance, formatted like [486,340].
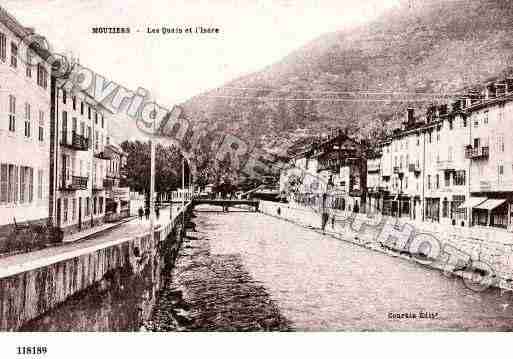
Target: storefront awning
[472,202]
[490,204]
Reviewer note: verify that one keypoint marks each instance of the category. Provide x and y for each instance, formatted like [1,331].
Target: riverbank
[491,260]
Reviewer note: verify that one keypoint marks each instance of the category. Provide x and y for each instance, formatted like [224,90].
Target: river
[248,271]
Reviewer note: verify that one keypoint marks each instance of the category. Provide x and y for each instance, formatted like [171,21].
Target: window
[30,180]
[73,209]
[23,188]
[88,206]
[500,142]
[501,173]
[4,175]
[3,47]
[96,139]
[89,112]
[82,129]
[100,205]
[103,121]
[476,122]
[65,210]
[81,107]
[64,127]
[437,181]
[42,76]
[27,119]
[464,121]
[41,126]
[485,119]
[429,137]
[445,208]
[459,178]
[74,103]
[451,125]
[28,68]
[96,118]
[95,207]
[64,96]
[447,179]
[429,181]
[40,184]
[14,55]
[12,113]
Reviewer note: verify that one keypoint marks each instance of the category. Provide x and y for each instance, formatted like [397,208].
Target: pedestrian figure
[325,217]
[147,213]
[157,212]
[141,212]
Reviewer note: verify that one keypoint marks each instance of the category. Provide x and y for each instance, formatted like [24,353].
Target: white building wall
[15,148]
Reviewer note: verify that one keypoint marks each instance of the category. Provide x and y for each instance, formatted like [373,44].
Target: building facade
[118,194]
[78,160]
[330,172]
[452,164]
[24,129]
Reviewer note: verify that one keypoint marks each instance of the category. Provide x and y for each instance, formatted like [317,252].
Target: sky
[175,67]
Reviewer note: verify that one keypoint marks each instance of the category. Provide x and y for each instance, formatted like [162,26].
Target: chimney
[411,117]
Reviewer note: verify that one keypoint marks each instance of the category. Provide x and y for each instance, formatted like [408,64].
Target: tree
[168,162]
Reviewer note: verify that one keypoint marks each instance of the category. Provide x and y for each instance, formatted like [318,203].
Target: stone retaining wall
[491,250]
[28,295]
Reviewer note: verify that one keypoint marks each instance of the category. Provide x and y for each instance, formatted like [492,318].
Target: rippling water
[248,271]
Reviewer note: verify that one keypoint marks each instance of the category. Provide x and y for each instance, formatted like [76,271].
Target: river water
[248,271]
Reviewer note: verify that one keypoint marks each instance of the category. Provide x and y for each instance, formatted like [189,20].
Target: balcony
[398,170]
[77,143]
[373,168]
[413,167]
[102,155]
[109,183]
[445,165]
[97,186]
[76,183]
[477,153]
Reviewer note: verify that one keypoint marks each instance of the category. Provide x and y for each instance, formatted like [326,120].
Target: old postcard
[248,165]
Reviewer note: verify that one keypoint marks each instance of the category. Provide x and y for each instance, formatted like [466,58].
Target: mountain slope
[436,47]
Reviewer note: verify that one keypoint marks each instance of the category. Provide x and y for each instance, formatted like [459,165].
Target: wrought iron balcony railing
[76,183]
[76,142]
[477,153]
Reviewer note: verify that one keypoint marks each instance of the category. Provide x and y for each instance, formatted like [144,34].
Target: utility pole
[152,178]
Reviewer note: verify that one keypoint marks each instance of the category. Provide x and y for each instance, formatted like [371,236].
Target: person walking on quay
[147,213]
[141,212]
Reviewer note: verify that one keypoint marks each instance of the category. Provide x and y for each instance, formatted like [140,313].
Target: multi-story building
[335,166]
[78,161]
[118,195]
[490,152]
[24,129]
[451,165]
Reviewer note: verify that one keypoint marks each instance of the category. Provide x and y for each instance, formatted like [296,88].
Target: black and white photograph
[253,166]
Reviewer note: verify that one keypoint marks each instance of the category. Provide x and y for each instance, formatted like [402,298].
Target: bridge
[225,203]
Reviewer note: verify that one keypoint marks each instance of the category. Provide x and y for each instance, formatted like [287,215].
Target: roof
[22,32]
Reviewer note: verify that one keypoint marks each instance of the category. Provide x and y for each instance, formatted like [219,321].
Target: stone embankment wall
[462,251]
[28,295]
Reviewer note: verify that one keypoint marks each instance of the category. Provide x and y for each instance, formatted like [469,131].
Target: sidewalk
[94,230]
[77,246]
